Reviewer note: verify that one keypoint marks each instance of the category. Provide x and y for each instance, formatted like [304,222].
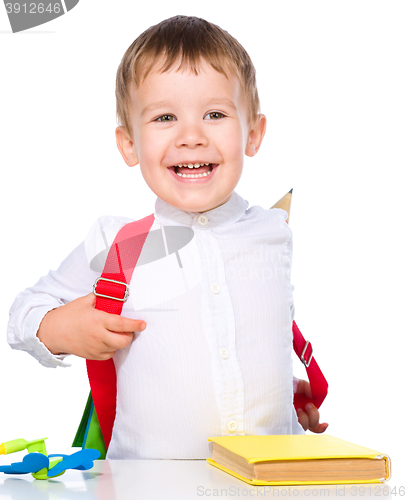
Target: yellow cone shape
[285,203]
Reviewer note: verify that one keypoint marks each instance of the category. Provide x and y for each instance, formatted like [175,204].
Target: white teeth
[192,165]
[192,176]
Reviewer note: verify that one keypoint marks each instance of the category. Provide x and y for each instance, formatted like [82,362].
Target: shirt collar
[228,213]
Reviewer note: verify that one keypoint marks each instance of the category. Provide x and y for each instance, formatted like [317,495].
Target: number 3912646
[33,8]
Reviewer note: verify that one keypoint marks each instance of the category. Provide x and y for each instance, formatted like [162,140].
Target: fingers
[90,299]
[120,331]
[303,419]
[114,340]
[309,419]
[106,344]
[319,428]
[313,415]
[112,331]
[304,388]
[115,323]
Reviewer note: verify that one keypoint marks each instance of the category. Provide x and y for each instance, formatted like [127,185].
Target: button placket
[221,335]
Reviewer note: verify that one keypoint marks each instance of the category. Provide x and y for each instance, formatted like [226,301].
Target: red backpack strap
[111,291]
[318,383]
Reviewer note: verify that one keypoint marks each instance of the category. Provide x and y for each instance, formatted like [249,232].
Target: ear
[256,134]
[126,146]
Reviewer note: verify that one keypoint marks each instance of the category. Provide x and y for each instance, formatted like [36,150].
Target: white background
[332,79]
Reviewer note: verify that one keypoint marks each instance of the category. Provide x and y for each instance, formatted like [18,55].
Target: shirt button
[202,220]
[215,288]
[224,353]
[232,426]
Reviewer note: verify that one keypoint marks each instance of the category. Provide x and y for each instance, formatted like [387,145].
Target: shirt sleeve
[71,280]
[74,278]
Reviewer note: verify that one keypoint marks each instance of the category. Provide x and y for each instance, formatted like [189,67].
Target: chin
[193,208]
[203,207]
[189,207]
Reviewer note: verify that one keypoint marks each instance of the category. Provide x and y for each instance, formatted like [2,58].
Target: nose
[191,135]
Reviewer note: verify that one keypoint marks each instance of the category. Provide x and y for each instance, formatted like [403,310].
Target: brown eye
[165,118]
[215,115]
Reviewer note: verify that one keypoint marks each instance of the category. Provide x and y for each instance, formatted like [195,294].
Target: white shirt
[215,357]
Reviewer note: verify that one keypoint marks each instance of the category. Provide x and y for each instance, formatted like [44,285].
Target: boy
[215,357]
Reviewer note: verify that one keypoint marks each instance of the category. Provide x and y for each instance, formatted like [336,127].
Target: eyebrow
[166,104]
[155,105]
[222,100]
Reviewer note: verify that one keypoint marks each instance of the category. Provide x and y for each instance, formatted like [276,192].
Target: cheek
[151,147]
[235,144]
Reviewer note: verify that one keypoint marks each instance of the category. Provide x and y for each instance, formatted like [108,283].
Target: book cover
[286,449]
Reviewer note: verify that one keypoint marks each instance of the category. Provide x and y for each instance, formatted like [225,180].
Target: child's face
[180,118]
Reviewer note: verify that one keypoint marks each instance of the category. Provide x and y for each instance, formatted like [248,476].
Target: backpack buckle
[304,361]
[126,292]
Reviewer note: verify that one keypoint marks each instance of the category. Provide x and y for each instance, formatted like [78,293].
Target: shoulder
[268,221]
[99,238]
[106,227]
[272,215]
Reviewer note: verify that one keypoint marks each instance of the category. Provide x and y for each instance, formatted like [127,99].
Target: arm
[52,318]
[71,280]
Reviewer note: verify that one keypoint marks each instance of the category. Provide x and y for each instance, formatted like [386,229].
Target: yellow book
[298,459]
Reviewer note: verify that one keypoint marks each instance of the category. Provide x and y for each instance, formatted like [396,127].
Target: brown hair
[188,40]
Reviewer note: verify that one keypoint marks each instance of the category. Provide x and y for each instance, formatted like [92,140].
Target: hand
[309,416]
[78,328]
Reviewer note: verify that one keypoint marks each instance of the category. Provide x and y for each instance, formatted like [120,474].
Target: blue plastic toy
[41,465]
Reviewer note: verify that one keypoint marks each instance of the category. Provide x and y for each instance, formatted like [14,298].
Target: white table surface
[163,480]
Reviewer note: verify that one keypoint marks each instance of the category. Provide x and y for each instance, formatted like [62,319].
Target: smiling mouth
[193,170]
